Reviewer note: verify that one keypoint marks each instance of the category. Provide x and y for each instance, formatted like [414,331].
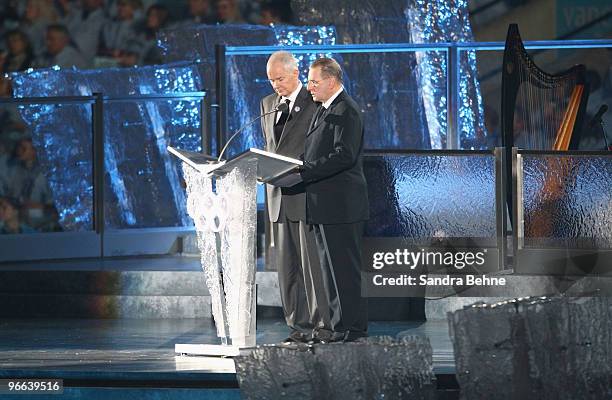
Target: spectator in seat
[129,54]
[228,12]
[276,12]
[60,50]
[9,16]
[84,24]
[37,16]
[156,19]
[121,29]
[4,158]
[28,184]
[9,218]
[19,55]
[200,12]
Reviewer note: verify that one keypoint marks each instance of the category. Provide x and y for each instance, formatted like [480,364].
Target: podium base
[210,350]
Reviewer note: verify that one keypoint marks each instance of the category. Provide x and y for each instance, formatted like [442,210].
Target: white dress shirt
[327,103]
[292,97]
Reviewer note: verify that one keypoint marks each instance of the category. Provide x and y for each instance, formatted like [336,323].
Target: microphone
[597,118]
[282,107]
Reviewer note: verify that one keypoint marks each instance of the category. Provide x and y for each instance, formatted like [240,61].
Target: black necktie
[280,124]
[318,114]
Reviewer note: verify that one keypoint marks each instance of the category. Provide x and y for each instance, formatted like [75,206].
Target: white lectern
[222,200]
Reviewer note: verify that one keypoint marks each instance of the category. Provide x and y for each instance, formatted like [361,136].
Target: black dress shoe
[296,337]
[315,340]
[324,337]
[322,341]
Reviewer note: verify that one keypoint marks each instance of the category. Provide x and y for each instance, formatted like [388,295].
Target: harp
[539,111]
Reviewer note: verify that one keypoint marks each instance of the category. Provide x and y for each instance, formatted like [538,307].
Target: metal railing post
[98,167]
[205,126]
[221,94]
[501,207]
[452,89]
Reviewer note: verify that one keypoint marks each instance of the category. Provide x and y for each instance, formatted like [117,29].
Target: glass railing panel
[429,195]
[567,201]
[143,181]
[46,168]
[402,94]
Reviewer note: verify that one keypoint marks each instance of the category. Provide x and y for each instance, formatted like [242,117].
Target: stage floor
[91,352]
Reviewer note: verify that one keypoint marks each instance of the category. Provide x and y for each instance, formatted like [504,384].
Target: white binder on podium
[274,169]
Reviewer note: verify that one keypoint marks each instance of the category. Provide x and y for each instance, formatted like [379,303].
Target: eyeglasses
[314,83]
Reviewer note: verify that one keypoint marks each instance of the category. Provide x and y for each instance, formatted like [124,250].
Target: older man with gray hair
[293,245]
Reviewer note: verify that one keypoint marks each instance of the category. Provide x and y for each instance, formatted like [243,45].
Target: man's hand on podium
[289,178]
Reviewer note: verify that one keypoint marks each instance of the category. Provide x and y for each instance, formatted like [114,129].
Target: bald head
[283,74]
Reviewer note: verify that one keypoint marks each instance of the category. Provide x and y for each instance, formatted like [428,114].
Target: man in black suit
[292,243]
[336,199]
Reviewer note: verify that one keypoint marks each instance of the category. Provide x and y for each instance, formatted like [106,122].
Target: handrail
[432,152]
[565,152]
[48,100]
[163,96]
[408,47]
[338,48]
[92,99]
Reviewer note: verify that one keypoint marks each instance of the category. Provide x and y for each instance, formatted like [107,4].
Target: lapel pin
[297,108]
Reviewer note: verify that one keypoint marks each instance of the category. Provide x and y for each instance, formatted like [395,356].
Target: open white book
[202,162]
[272,168]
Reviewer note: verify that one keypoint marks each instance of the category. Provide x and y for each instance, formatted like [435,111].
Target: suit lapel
[313,126]
[271,120]
[299,104]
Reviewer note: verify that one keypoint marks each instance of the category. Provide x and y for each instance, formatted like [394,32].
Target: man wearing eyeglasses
[336,200]
[292,244]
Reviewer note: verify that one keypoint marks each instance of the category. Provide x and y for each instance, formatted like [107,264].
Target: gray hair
[329,68]
[285,58]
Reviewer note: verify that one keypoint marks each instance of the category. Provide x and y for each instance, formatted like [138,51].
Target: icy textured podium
[225,221]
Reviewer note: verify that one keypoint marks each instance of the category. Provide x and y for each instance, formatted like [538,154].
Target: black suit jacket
[336,190]
[291,144]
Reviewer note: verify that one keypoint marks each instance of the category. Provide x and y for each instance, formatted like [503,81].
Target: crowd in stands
[86,34]
[94,33]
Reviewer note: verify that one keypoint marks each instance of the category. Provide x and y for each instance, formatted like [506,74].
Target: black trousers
[299,276]
[339,247]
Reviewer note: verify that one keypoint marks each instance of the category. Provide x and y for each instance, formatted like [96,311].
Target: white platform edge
[211,350]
